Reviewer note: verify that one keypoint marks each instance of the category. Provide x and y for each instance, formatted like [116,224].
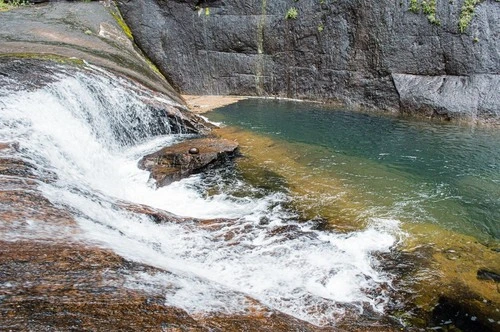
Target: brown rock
[176,162]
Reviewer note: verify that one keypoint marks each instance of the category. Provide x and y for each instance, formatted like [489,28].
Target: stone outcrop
[79,31]
[189,157]
[368,53]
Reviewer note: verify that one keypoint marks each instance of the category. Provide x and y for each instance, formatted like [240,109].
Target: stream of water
[90,128]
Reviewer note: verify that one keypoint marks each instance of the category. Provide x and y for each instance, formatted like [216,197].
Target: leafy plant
[466,14]
[428,7]
[321,27]
[292,14]
[3,6]
[414,6]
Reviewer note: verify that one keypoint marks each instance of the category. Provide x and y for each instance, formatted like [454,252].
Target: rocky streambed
[51,278]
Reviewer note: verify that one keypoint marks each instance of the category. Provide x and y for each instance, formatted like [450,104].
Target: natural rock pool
[439,181]
[418,172]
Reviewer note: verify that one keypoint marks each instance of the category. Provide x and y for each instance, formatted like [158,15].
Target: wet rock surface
[65,286]
[53,279]
[373,54]
[484,274]
[438,288]
[189,157]
[76,31]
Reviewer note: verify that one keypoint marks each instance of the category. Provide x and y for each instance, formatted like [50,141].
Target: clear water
[91,128]
[395,168]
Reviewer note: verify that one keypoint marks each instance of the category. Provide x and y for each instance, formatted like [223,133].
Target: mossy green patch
[153,67]
[121,22]
[292,14]
[466,14]
[4,6]
[428,8]
[415,6]
[49,57]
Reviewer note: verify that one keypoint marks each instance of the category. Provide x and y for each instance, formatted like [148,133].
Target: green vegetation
[153,67]
[466,14]
[414,6]
[49,57]
[121,22]
[292,14]
[321,27]
[4,5]
[428,7]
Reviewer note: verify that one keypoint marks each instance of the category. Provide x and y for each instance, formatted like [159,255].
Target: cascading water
[90,128]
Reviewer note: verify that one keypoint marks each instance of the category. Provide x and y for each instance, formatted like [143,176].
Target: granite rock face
[346,50]
[76,32]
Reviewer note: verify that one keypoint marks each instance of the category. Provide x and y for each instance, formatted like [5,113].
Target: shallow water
[363,166]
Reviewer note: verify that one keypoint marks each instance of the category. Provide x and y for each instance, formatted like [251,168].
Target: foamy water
[92,128]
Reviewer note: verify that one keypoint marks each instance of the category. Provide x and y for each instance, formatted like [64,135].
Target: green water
[413,171]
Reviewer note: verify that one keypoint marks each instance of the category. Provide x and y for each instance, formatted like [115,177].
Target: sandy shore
[203,104]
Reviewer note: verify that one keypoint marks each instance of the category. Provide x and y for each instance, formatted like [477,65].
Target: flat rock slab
[175,162]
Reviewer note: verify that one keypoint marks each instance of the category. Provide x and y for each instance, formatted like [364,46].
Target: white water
[92,128]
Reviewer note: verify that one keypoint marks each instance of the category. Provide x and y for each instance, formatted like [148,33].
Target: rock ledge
[177,161]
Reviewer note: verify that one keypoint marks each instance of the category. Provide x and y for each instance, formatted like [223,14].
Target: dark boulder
[177,162]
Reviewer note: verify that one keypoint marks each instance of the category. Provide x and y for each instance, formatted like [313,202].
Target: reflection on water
[350,167]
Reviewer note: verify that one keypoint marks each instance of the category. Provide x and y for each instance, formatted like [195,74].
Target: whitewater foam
[91,131]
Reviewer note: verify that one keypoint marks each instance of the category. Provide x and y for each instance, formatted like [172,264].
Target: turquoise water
[414,171]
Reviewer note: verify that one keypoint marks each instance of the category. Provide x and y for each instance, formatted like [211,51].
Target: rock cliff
[403,55]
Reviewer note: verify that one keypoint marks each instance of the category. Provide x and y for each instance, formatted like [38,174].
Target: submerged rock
[484,274]
[177,161]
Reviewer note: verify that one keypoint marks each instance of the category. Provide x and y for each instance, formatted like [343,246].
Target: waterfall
[90,128]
